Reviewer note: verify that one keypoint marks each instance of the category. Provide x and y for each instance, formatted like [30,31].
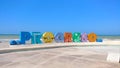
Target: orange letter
[92,37]
[67,37]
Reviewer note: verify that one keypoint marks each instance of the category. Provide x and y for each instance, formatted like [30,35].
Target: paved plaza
[64,57]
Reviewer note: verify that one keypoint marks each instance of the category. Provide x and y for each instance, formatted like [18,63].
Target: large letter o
[92,37]
[48,37]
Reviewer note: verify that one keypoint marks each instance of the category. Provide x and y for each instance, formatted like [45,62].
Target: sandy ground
[63,57]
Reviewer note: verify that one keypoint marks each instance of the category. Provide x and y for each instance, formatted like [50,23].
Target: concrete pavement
[69,57]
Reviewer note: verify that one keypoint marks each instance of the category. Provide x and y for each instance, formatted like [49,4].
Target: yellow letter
[48,37]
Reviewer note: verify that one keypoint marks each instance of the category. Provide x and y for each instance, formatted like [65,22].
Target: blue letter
[13,42]
[24,36]
[99,40]
[36,38]
[59,37]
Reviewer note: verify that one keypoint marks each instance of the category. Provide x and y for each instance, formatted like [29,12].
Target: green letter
[76,37]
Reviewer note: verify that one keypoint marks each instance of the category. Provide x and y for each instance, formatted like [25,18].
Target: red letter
[67,37]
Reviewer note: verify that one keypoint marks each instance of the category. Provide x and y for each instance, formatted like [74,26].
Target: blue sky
[99,16]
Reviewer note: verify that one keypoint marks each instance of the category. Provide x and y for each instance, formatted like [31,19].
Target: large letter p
[24,36]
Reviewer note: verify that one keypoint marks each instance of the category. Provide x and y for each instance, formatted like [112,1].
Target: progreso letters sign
[49,37]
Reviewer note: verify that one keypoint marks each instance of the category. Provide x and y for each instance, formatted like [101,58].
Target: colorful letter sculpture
[59,37]
[24,36]
[92,37]
[84,37]
[36,38]
[18,42]
[13,42]
[99,40]
[48,37]
[76,37]
[67,37]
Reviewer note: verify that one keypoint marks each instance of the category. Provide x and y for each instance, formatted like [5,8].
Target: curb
[17,48]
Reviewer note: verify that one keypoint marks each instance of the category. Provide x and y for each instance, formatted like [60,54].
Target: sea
[8,37]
